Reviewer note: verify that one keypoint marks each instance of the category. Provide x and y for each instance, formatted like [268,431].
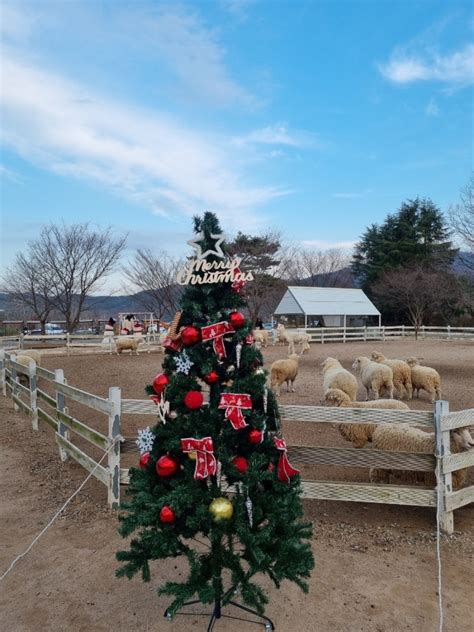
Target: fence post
[423,331]
[61,407]
[113,492]
[444,484]
[383,333]
[365,333]
[21,341]
[403,331]
[322,335]
[33,394]
[3,377]
[449,332]
[68,342]
[14,383]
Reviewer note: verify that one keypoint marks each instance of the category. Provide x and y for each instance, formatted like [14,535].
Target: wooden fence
[42,407]
[318,334]
[97,343]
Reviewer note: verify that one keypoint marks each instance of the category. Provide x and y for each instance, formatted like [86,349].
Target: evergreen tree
[175,498]
[416,235]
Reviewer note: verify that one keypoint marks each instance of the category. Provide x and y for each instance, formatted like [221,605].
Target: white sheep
[284,371]
[33,354]
[292,338]
[374,376]
[424,378]
[25,361]
[401,374]
[336,376]
[359,433]
[123,343]
[261,337]
[403,438]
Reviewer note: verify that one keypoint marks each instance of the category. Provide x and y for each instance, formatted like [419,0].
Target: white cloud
[194,54]
[276,135]
[328,245]
[237,8]
[145,156]
[432,108]
[407,67]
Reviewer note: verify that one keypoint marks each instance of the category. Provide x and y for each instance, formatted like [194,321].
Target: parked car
[50,330]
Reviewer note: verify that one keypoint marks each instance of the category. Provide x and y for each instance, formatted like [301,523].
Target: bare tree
[154,277]
[421,294]
[76,259]
[322,268]
[29,284]
[462,220]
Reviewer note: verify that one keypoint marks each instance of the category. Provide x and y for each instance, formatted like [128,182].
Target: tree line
[405,265]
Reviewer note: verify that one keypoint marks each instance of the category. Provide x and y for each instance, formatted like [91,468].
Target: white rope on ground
[58,512]
[439,500]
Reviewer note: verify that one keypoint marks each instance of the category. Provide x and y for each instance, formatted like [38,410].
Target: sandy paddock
[375,568]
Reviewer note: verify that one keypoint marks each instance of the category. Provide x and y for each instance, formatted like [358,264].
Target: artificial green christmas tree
[215,466]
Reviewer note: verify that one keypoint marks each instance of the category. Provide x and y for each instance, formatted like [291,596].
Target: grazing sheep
[123,343]
[374,376]
[361,433]
[336,376]
[25,360]
[402,438]
[424,378]
[292,338]
[261,337]
[284,371]
[401,374]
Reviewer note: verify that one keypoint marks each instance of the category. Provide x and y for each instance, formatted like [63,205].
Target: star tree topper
[216,250]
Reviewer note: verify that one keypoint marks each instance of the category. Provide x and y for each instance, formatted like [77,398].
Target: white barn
[303,306]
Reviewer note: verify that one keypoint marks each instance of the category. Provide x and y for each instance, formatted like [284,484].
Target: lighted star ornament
[217,250]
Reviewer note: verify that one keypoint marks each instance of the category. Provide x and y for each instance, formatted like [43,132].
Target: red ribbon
[284,470]
[234,403]
[238,284]
[249,339]
[215,333]
[206,464]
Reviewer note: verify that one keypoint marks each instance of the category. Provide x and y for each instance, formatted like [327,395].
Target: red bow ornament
[206,464]
[174,345]
[216,332]
[284,470]
[234,403]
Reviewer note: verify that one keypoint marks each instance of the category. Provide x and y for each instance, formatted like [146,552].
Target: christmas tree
[215,466]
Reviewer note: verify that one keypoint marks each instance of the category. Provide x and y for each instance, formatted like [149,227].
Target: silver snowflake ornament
[183,363]
[145,440]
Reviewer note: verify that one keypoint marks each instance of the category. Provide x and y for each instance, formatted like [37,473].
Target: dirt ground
[375,564]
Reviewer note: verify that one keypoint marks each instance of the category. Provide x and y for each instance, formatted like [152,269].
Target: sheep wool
[401,374]
[284,371]
[374,376]
[336,376]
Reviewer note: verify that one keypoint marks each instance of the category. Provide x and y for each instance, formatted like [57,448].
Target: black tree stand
[217,614]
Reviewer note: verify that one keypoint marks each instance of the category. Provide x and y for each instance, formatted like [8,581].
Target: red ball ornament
[144,460]
[211,378]
[190,336]
[237,320]
[193,400]
[160,382]
[270,467]
[167,515]
[255,436]
[240,463]
[166,465]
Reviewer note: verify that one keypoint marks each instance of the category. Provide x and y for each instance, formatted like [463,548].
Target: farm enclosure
[385,544]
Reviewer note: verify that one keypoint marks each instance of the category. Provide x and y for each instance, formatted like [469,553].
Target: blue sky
[312,118]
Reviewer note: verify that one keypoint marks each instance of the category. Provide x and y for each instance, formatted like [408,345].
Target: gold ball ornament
[192,455]
[221,509]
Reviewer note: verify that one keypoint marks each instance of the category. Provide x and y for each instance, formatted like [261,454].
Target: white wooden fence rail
[317,334]
[32,399]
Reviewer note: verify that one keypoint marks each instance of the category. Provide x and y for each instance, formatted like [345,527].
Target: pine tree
[174,498]
[416,235]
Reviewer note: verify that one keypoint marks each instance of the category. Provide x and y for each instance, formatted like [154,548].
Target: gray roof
[326,301]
